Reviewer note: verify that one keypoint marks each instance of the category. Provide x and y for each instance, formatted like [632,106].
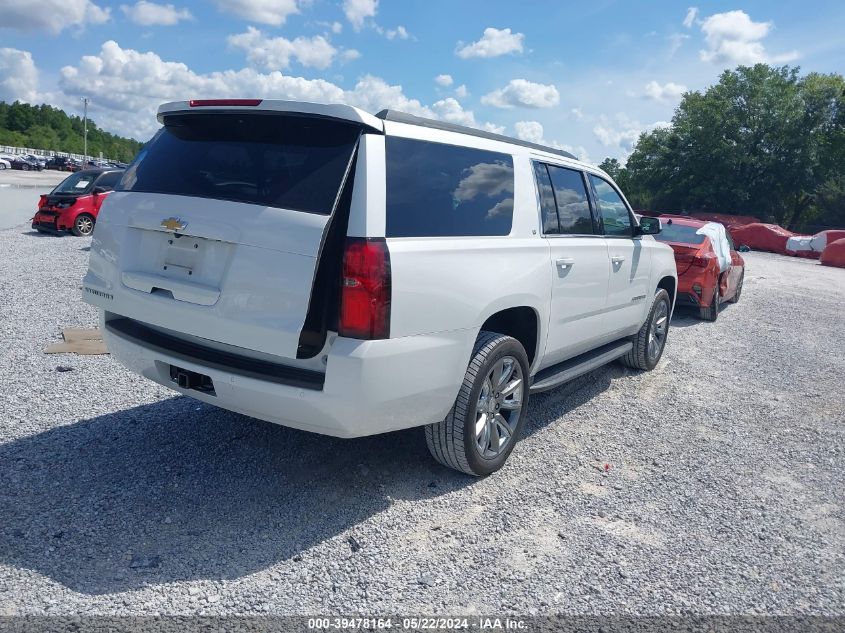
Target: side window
[547,199]
[109,180]
[434,189]
[614,213]
[573,207]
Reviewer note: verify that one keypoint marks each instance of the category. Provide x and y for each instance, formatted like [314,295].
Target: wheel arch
[670,285]
[521,323]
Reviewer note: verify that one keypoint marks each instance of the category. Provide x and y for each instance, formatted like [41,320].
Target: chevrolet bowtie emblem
[173,224]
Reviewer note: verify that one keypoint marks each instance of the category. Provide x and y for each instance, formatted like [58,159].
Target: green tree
[48,128]
[762,141]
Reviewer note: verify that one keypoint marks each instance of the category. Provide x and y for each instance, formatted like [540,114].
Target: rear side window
[614,213]
[108,180]
[435,189]
[547,199]
[289,162]
[573,206]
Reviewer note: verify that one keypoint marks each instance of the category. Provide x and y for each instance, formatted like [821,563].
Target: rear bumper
[370,386]
[696,289]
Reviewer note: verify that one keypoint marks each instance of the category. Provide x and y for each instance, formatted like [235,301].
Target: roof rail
[404,117]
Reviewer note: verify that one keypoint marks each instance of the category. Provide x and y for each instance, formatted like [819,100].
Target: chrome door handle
[565,262]
[617,259]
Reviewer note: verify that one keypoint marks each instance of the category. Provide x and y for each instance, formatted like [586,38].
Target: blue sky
[585,76]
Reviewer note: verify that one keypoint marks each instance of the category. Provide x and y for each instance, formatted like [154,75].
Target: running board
[555,375]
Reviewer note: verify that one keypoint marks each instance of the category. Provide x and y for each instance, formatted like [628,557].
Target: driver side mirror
[648,226]
[98,190]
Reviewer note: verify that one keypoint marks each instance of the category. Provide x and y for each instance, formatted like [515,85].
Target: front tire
[83,225]
[486,420]
[650,341]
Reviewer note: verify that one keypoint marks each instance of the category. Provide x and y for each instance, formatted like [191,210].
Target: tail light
[42,201]
[701,261]
[365,289]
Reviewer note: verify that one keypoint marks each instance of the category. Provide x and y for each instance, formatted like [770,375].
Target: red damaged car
[710,271]
[75,202]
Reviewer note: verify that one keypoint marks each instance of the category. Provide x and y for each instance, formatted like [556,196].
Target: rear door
[579,265]
[628,295]
[216,228]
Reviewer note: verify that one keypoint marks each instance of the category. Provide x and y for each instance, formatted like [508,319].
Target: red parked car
[75,202]
[703,281]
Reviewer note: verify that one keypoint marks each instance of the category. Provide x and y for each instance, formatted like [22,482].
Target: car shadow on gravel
[180,491]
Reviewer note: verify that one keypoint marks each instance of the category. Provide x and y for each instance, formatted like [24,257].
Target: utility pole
[85,133]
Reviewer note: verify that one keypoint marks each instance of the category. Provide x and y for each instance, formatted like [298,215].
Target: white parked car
[4,164]
[349,274]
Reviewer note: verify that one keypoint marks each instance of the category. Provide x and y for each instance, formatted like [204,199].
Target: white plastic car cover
[818,242]
[801,243]
[716,233]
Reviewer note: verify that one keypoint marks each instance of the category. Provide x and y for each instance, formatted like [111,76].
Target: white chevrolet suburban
[348,274]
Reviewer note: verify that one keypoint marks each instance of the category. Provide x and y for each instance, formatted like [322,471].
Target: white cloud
[18,76]
[533,132]
[669,90]
[734,38]
[350,54]
[357,11]
[336,27]
[451,110]
[492,127]
[50,15]
[273,12]
[521,92]
[399,33]
[689,20]
[461,92]
[577,113]
[275,53]
[126,86]
[676,40]
[622,132]
[493,43]
[443,80]
[146,13]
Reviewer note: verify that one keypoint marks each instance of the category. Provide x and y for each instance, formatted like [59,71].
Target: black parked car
[63,163]
[23,163]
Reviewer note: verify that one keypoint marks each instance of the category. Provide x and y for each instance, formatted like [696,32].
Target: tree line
[48,128]
[763,141]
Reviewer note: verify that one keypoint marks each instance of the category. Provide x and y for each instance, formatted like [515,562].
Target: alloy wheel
[498,407]
[657,330]
[85,225]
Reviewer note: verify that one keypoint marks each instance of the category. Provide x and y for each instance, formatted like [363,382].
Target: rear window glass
[435,189]
[679,233]
[290,162]
[79,182]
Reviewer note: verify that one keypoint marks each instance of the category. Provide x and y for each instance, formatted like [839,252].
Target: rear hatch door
[217,227]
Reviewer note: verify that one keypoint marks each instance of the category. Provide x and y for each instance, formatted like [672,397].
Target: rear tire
[711,313]
[738,292]
[83,225]
[486,420]
[650,341]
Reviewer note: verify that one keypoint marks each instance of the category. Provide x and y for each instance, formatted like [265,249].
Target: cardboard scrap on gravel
[79,341]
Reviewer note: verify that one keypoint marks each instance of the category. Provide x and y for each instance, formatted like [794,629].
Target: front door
[629,296]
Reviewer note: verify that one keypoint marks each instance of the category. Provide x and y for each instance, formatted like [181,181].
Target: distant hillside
[46,127]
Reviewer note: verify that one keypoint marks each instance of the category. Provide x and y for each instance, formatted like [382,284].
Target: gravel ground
[724,495]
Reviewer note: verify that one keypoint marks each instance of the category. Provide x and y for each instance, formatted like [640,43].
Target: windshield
[679,233]
[80,182]
[290,162]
